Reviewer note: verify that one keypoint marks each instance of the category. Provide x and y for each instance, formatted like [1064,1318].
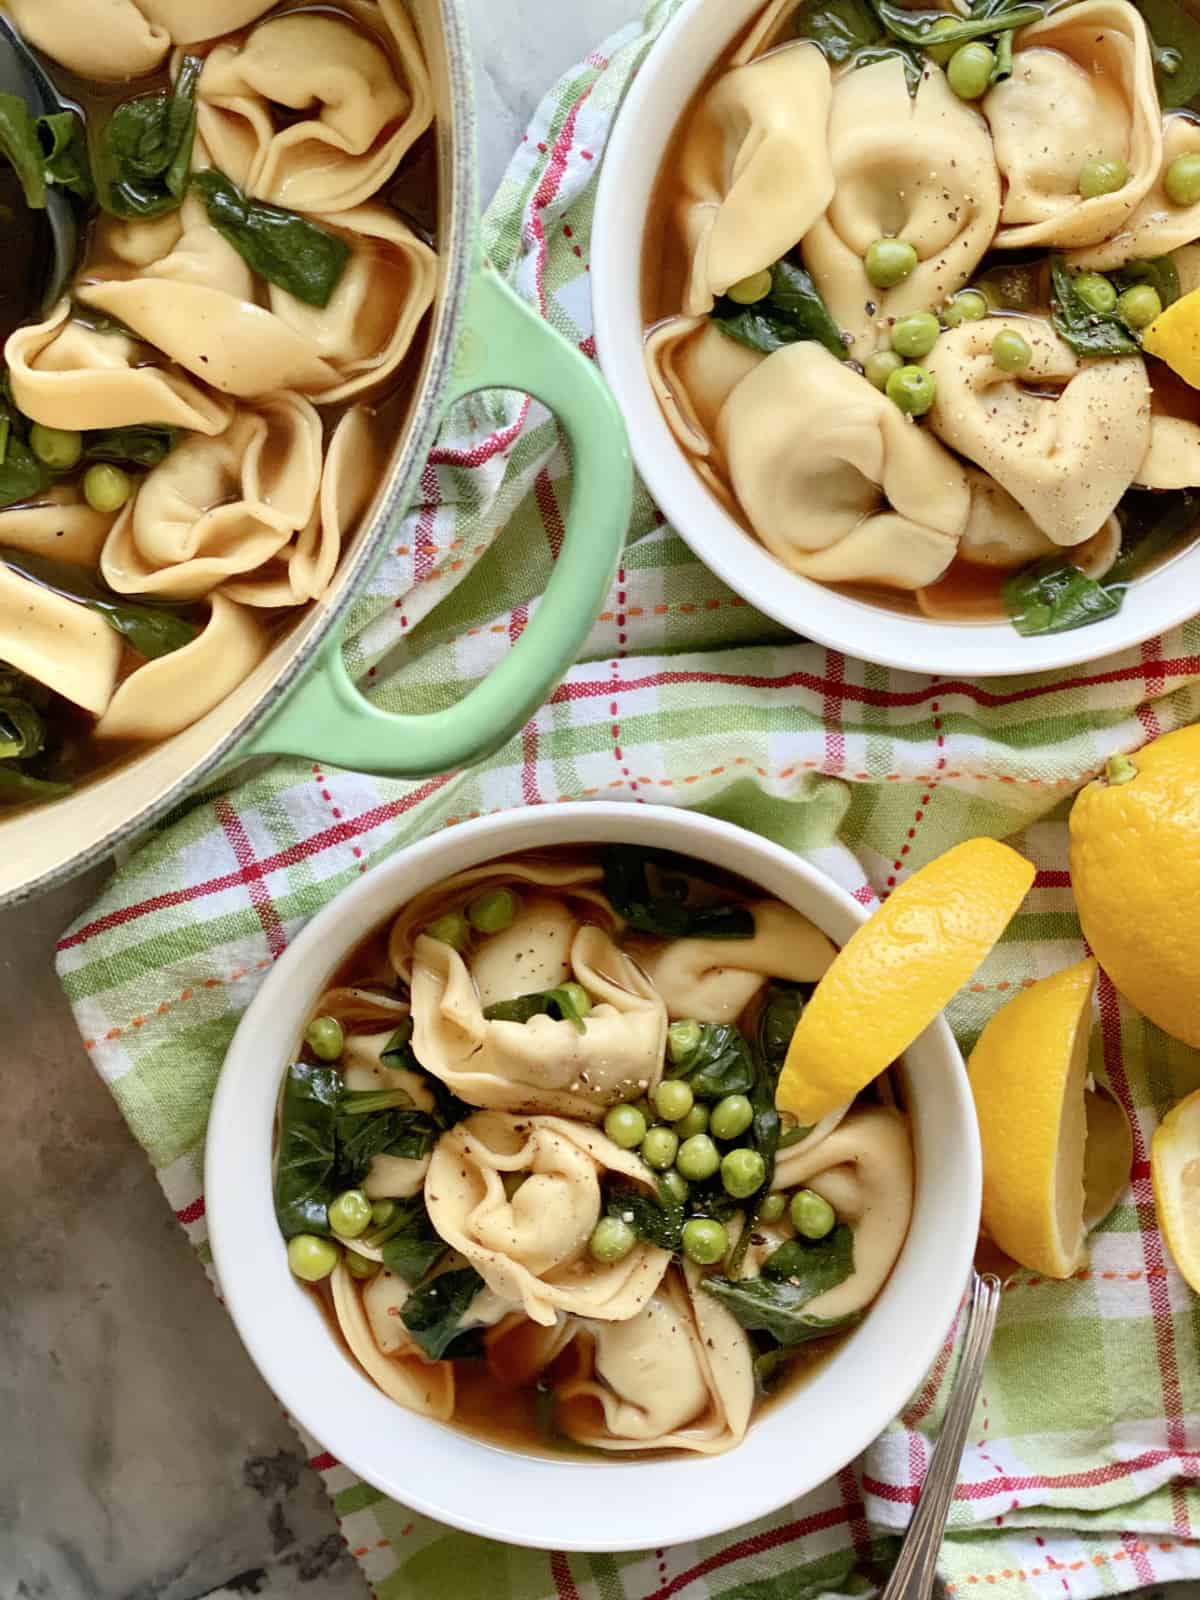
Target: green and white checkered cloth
[1082,1475]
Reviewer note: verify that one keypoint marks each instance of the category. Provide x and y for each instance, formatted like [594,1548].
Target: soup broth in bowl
[918,338]
[506,1250]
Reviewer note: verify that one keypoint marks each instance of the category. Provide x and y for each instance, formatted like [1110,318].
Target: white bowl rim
[457,1479]
[695,38]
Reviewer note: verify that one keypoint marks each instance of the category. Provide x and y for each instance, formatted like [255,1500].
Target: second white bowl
[575,1503]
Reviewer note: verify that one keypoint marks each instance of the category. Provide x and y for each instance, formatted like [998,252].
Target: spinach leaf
[770,1368]
[774,1303]
[778,1019]
[22,475]
[22,731]
[281,246]
[792,311]
[139,446]
[364,1132]
[840,27]
[557,1003]
[433,1313]
[658,1222]
[1056,597]
[145,149]
[412,1247]
[718,1064]
[1003,65]
[1089,333]
[63,142]
[814,1265]
[307,1156]
[1160,272]
[1151,523]
[913,27]
[152,631]
[669,916]
[19,145]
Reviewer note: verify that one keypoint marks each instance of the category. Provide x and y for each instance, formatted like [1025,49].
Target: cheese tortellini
[755,169]
[1082,86]
[1065,437]
[919,167]
[531,1249]
[835,481]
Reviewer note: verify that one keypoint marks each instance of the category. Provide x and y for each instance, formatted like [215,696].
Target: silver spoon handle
[916,1567]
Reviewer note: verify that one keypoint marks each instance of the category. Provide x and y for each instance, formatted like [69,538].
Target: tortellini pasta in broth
[918,167]
[754,168]
[1157,226]
[867,498]
[1065,437]
[1082,87]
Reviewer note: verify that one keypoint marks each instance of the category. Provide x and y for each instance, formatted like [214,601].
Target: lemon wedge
[1174,337]
[1028,1074]
[1175,1173]
[898,972]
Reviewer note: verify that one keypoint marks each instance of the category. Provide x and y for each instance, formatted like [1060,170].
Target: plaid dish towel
[1082,1475]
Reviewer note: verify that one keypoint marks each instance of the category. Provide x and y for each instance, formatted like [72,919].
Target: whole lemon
[1135,869]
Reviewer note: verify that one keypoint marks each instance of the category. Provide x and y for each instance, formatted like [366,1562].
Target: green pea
[325,1037]
[879,367]
[916,334]
[452,929]
[1182,180]
[1102,175]
[579,998]
[312,1258]
[695,1122]
[889,261]
[731,1117]
[673,1099]
[659,1148]
[106,488]
[59,448]
[611,1241]
[350,1214]
[676,1186]
[698,1158]
[812,1217]
[912,389]
[1095,291]
[360,1266]
[625,1126]
[382,1212]
[742,1172]
[772,1208]
[969,306]
[704,1242]
[941,53]
[1010,352]
[1139,306]
[682,1039]
[752,289]
[494,911]
[970,69]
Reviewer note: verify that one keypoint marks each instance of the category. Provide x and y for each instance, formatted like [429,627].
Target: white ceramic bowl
[673,72]
[573,1503]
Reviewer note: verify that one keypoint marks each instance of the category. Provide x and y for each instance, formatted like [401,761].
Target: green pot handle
[505,345]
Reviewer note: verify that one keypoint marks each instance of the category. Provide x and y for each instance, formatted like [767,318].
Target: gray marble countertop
[143,1458]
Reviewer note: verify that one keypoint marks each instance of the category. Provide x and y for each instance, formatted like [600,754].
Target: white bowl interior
[575,1503]
[674,70]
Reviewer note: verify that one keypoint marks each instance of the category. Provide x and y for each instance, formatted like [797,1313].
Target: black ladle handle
[23,75]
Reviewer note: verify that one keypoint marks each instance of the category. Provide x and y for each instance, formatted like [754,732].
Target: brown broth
[493,1409]
[975,593]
